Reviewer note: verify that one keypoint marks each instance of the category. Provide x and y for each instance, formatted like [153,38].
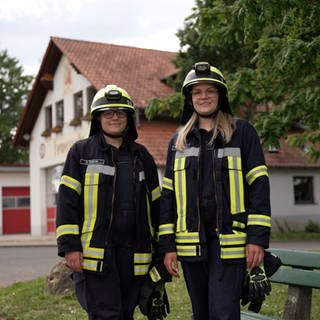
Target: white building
[56,115]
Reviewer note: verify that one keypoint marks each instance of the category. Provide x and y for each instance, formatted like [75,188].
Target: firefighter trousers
[214,287]
[113,294]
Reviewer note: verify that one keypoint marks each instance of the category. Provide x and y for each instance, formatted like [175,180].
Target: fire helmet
[113,97]
[203,72]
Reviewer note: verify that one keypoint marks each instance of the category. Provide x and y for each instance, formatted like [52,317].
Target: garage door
[16,210]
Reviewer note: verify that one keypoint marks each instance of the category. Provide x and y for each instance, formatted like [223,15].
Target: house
[57,114]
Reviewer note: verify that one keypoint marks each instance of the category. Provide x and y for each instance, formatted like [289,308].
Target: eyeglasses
[108,114]
[211,92]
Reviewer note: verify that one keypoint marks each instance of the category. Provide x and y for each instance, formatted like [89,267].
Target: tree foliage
[268,51]
[13,92]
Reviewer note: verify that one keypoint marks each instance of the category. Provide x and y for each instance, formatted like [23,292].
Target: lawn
[31,300]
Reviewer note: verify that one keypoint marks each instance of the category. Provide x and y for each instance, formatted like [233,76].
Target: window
[303,190]
[16,202]
[78,105]
[48,117]
[59,113]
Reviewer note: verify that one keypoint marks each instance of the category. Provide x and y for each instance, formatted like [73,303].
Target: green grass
[30,300]
[295,235]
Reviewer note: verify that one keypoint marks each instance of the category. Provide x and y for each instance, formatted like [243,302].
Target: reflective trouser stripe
[181,192]
[236,185]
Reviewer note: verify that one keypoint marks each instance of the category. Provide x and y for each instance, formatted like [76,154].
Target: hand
[255,255]
[74,260]
[171,263]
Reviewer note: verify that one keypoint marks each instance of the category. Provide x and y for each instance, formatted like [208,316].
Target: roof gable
[139,71]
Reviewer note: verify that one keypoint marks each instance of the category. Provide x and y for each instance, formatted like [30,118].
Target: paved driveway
[25,263]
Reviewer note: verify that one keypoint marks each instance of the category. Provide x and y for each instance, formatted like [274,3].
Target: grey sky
[26,26]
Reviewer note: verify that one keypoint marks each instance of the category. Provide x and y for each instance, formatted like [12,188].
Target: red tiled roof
[139,71]
[155,135]
[289,157]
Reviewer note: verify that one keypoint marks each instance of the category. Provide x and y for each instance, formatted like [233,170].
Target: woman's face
[205,98]
[113,121]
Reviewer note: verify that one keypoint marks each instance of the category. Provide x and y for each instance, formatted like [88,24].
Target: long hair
[224,124]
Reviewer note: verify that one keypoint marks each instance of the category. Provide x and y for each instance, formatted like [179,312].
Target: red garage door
[16,210]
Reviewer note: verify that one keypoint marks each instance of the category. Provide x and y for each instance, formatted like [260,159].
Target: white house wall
[48,152]
[286,214]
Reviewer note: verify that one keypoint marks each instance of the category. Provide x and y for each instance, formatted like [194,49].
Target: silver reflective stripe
[142,176]
[99,168]
[187,250]
[234,152]
[188,152]
[166,229]
[192,237]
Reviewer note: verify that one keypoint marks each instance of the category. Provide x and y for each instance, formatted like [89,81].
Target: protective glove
[153,301]
[259,284]
[255,288]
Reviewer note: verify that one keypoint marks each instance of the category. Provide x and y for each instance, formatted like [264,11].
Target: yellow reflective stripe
[167,183]
[141,270]
[90,207]
[188,251]
[166,229]
[236,185]
[233,253]
[156,193]
[141,263]
[95,253]
[92,265]
[154,274]
[259,220]
[142,257]
[67,229]
[256,172]
[187,237]
[71,183]
[233,239]
[149,216]
[181,192]
[238,224]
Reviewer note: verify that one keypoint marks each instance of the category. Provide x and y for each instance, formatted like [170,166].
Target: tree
[13,92]
[269,52]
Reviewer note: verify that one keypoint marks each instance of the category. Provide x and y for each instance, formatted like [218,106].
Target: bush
[312,226]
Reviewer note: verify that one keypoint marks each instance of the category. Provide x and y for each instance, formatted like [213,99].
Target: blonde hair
[224,123]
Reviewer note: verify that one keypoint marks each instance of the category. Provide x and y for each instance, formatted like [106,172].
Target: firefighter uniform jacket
[241,193]
[86,196]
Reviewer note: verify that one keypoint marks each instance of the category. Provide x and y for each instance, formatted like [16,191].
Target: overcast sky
[26,25]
